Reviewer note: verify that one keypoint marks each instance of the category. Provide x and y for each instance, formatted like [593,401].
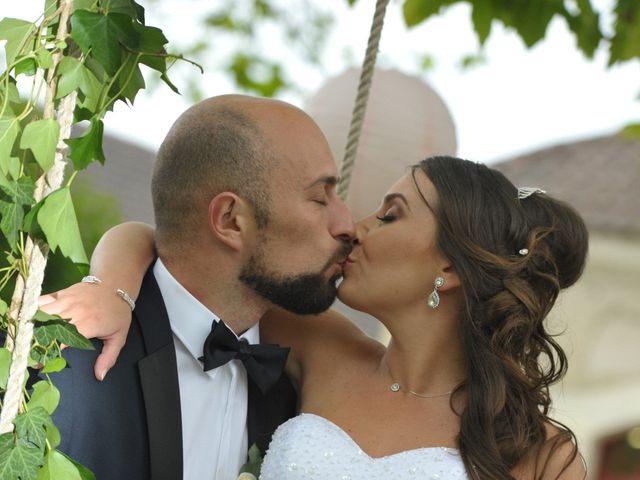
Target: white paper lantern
[405,121]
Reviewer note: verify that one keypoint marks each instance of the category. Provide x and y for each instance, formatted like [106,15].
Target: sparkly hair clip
[524,192]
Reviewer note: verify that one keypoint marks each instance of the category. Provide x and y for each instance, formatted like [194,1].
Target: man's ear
[230,217]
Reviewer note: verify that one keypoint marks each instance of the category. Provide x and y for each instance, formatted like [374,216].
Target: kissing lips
[346,262]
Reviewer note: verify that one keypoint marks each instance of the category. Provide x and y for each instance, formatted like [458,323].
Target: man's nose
[343,226]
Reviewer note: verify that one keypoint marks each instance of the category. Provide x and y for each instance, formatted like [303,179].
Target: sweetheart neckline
[341,431]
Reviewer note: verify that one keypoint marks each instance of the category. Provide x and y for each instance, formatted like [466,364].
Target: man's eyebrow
[392,196]
[330,180]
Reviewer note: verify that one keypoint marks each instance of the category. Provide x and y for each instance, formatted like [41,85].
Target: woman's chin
[345,295]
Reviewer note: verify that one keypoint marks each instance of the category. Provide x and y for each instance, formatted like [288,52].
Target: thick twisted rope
[25,299]
[360,107]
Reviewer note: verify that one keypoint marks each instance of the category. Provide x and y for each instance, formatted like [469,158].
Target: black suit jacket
[129,426]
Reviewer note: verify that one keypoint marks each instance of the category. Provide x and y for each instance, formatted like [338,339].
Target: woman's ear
[230,219]
[451,278]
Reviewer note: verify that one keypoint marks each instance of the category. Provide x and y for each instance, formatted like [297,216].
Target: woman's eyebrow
[392,196]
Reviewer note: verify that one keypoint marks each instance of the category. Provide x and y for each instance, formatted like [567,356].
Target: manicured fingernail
[103,374]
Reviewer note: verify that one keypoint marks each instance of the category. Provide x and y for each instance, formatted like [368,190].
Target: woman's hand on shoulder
[97,312]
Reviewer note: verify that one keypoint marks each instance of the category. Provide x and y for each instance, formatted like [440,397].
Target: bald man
[247,217]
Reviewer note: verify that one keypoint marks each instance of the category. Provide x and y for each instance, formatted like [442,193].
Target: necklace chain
[395,387]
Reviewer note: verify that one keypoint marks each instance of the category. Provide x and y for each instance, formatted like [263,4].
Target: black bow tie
[264,363]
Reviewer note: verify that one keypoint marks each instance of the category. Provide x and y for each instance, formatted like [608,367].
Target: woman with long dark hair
[462,268]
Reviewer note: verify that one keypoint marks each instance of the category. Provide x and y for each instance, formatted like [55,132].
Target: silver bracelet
[91,279]
[121,293]
[125,296]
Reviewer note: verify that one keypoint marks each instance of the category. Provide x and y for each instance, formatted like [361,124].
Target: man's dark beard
[304,294]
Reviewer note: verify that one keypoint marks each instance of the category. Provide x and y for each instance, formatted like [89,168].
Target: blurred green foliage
[244,29]
[235,35]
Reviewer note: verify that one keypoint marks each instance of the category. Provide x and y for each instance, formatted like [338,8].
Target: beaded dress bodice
[311,447]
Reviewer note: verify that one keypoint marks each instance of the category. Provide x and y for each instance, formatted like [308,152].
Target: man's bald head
[218,145]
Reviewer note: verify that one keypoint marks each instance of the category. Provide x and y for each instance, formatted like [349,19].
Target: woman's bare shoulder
[558,459]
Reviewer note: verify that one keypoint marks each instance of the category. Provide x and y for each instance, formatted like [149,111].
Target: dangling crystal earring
[434,299]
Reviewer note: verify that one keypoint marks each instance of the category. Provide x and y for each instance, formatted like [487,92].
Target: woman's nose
[360,231]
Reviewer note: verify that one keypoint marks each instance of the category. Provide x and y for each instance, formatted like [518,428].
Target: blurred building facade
[600,315]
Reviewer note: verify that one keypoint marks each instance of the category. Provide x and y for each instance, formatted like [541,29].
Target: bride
[462,268]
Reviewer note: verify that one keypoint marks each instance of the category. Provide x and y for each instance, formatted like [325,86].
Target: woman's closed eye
[389,216]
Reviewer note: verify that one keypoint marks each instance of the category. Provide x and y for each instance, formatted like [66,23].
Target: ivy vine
[71,65]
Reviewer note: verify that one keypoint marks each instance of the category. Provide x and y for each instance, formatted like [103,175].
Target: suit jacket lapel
[159,383]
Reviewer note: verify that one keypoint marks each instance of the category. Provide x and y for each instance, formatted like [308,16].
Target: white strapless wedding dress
[311,447]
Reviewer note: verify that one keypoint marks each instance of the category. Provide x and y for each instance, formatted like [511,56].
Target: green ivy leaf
[91,89]
[53,435]
[55,365]
[32,426]
[9,129]
[152,40]
[69,76]
[417,11]
[74,75]
[135,83]
[43,317]
[625,43]
[12,215]
[13,198]
[63,332]
[50,6]
[13,102]
[20,462]
[44,395]
[168,82]
[120,6]
[482,16]
[88,147]
[57,218]
[45,59]
[14,166]
[101,35]
[20,192]
[6,442]
[139,12]
[5,365]
[58,466]
[586,27]
[532,19]
[83,4]
[15,32]
[41,137]
[27,66]
[30,224]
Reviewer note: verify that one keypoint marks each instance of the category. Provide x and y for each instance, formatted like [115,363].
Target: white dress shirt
[214,403]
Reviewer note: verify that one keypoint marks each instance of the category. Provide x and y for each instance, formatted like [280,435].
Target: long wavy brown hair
[511,358]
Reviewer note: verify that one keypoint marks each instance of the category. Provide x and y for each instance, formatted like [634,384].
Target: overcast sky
[518,101]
